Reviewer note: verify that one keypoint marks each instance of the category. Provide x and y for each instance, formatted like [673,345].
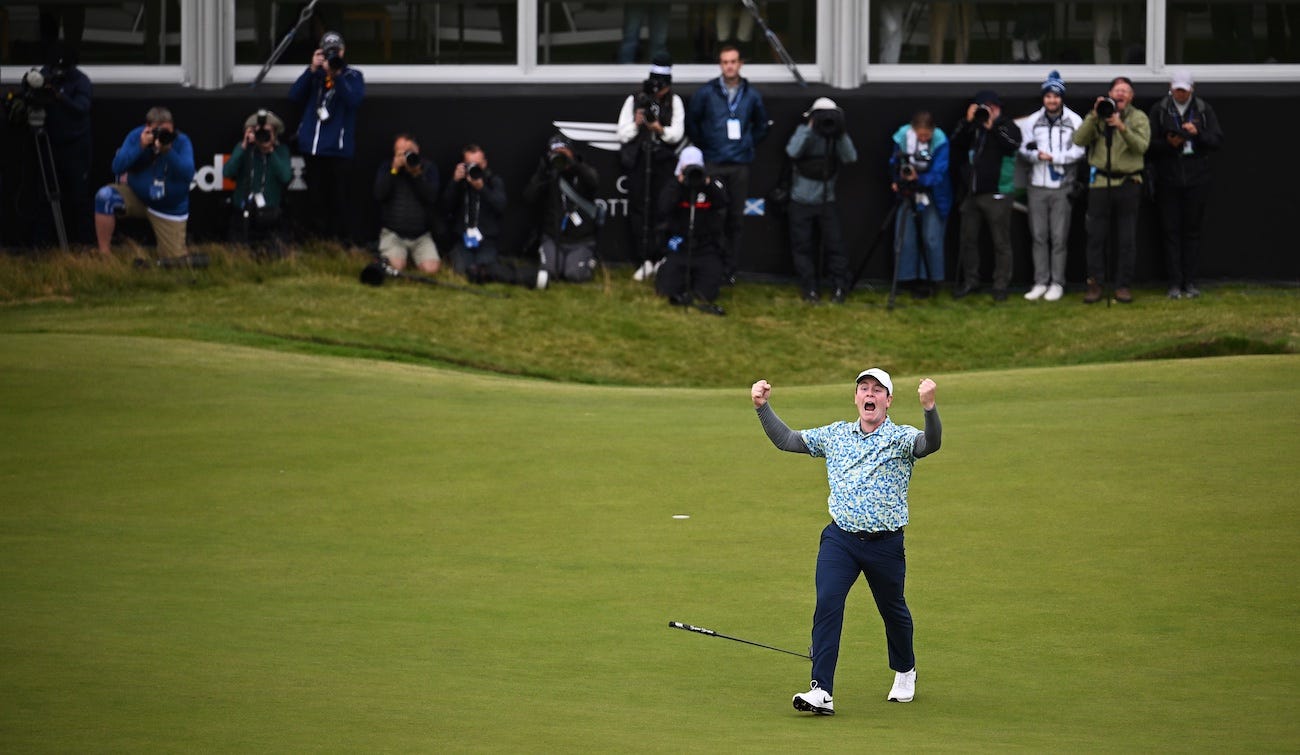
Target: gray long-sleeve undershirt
[792,440]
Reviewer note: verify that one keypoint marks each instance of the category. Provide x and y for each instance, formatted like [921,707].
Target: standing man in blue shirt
[868,466]
[330,92]
[726,120]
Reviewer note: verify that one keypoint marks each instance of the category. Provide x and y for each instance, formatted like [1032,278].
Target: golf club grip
[690,628]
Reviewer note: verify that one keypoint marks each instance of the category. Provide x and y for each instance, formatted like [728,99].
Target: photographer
[563,190]
[476,198]
[692,211]
[154,166]
[1116,136]
[1187,131]
[921,186]
[406,188]
[261,169]
[330,92]
[650,128]
[817,149]
[67,92]
[990,140]
[1052,155]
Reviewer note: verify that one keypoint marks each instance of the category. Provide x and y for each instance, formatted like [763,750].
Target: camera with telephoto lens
[412,159]
[27,105]
[558,160]
[263,133]
[982,115]
[693,176]
[828,123]
[474,171]
[1106,107]
[334,57]
[162,136]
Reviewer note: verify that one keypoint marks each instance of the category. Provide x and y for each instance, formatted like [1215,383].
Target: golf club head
[374,274]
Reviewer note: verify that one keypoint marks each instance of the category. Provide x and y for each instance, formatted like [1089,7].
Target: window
[97,33]
[1224,31]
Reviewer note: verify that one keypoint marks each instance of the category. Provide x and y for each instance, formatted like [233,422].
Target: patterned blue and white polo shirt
[868,473]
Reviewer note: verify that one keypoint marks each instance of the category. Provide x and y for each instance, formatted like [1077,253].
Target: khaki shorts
[394,248]
[170,233]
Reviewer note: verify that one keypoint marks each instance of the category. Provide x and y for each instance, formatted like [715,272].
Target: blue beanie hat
[1054,83]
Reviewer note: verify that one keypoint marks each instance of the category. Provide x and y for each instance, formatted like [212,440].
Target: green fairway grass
[208,547]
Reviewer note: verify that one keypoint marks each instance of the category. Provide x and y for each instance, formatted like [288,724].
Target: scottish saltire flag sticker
[755,206]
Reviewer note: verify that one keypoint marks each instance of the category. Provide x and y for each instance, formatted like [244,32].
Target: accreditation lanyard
[1180,120]
[733,105]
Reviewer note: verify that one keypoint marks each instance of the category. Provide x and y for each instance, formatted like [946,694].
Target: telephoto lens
[412,159]
[262,135]
[474,171]
[982,114]
[164,136]
[1105,108]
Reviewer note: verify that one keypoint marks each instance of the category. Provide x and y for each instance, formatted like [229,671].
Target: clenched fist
[926,393]
[759,393]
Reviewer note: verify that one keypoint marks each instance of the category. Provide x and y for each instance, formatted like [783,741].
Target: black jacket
[543,192]
[985,158]
[68,118]
[406,202]
[470,208]
[1171,166]
[674,214]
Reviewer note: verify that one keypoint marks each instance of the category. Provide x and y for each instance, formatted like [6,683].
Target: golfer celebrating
[868,466]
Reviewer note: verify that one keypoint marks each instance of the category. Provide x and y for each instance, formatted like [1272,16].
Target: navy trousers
[840,559]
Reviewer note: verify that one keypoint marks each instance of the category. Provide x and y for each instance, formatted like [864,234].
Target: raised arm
[929,441]
[781,436]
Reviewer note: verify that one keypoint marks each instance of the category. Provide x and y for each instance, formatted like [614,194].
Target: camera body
[693,177]
[412,159]
[334,57]
[162,136]
[263,133]
[558,161]
[28,104]
[1106,107]
[982,115]
[473,171]
[828,124]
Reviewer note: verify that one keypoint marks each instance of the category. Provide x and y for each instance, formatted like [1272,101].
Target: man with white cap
[692,211]
[1184,131]
[868,467]
[817,149]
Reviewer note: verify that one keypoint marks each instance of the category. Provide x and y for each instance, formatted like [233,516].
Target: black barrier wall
[1248,230]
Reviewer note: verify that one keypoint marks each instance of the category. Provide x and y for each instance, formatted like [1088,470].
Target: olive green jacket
[1127,147]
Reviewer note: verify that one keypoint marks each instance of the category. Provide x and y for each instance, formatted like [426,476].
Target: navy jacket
[68,119]
[706,122]
[340,95]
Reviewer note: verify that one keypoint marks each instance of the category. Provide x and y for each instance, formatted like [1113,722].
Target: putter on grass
[711,633]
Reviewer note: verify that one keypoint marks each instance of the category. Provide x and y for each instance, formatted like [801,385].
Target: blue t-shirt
[868,474]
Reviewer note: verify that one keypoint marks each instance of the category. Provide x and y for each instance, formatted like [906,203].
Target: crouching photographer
[817,149]
[692,212]
[476,199]
[920,183]
[563,191]
[406,188]
[261,170]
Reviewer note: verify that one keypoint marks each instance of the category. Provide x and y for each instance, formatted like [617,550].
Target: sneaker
[904,688]
[815,701]
[1175,292]
[1191,292]
[1123,296]
[645,271]
[1036,292]
[1054,292]
[837,296]
[542,279]
[1094,292]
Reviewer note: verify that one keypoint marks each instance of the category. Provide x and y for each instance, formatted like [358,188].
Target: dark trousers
[811,261]
[699,275]
[1118,207]
[643,239]
[327,197]
[735,177]
[976,210]
[840,559]
[1182,210]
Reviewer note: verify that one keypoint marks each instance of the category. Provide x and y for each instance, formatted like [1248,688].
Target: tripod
[49,173]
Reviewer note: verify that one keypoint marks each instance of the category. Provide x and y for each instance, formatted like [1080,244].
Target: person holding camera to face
[476,199]
[817,149]
[1116,136]
[563,190]
[261,170]
[692,211]
[1052,155]
[924,193]
[650,129]
[990,141]
[68,92]
[154,166]
[330,92]
[1187,131]
[406,188]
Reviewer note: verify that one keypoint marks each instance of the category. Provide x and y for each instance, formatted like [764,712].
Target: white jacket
[1055,139]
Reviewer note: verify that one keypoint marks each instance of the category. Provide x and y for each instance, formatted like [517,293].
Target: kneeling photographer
[920,183]
[692,212]
[406,188]
[817,149]
[476,199]
[261,169]
[563,191]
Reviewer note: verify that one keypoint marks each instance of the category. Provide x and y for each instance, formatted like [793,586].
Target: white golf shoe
[1054,292]
[815,701]
[1037,291]
[904,688]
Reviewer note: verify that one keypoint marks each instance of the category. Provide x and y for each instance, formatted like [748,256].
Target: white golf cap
[880,375]
[821,103]
[1181,79]
[690,156]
